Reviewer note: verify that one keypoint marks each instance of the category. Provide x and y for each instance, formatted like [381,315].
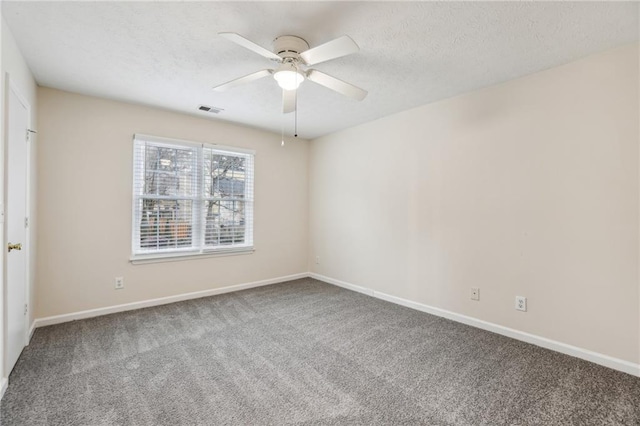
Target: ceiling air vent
[212,110]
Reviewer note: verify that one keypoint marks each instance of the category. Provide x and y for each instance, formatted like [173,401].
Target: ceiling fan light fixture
[288,77]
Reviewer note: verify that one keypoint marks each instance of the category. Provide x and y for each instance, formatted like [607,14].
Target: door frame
[12,87]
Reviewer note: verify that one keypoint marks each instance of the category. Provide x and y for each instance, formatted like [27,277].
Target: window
[190,199]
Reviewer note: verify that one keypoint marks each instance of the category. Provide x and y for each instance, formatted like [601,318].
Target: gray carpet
[307,353]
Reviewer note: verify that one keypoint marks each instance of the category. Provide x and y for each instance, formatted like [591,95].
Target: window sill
[176,257]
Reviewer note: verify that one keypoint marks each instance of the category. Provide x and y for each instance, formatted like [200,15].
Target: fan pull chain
[282,122]
[295,98]
[282,129]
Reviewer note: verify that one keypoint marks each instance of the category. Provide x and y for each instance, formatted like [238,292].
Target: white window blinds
[190,198]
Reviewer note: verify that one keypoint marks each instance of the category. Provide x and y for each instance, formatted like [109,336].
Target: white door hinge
[29,131]
[26,309]
[26,222]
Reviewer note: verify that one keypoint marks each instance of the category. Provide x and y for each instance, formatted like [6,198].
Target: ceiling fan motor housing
[290,47]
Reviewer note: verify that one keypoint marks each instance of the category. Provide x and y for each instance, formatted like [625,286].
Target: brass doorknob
[17,246]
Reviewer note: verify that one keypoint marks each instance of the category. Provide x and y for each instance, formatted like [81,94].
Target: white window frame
[198,249]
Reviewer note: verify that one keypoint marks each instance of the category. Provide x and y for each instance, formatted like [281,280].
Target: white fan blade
[288,101]
[242,80]
[336,85]
[248,44]
[333,49]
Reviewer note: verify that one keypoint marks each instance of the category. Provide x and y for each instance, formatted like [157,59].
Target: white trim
[172,141]
[31,331]
[139,259]
[4,383]
[27,207]
[342,284]
[595,357]
[57,319]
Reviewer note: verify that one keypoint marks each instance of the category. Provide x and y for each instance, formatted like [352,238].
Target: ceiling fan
[293,56]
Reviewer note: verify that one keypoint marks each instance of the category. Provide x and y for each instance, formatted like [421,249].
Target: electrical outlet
[119,283]
[317,260]
[521,303]
[475,293]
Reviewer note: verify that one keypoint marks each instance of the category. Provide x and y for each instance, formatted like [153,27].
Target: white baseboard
[31,330]
[595,357]
[4,382]
[343,284]
[57,319]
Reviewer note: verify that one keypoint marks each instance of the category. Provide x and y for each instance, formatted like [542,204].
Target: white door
[18,120]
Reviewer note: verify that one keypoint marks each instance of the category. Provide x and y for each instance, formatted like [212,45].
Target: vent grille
[210,109]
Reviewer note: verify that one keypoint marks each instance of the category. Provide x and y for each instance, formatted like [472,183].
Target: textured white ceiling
[169,55]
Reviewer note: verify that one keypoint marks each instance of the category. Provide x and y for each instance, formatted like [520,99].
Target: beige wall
[526,188]
[15,67]
[85,172]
